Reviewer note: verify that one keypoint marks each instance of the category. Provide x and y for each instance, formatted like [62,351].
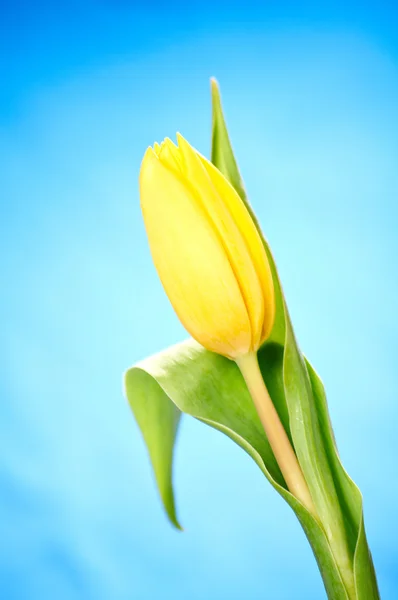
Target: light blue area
[311,98]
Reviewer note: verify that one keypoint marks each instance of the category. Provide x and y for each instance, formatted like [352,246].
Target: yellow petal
[169,155]
[216,201]
[248,229]
[191,262]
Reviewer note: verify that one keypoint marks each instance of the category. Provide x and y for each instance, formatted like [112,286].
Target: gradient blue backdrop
[311,98]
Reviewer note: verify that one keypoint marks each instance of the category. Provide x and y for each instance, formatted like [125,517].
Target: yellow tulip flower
[215,271]
[206,249]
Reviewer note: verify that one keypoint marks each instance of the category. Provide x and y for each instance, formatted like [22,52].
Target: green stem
[276,434]
[291,470]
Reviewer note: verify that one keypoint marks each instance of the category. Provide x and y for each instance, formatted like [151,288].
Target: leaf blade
[158,420]
[222,156]
[205,386]
[345,491]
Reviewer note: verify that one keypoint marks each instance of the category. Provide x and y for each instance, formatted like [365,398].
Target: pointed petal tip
[183,144]
[153,149]
[186,150]
[169,142]
[150,154]
[149,161]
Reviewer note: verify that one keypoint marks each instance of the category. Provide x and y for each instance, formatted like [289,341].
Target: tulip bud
[206,249]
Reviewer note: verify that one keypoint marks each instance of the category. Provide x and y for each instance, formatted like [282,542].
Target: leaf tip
[214,85]
[215,95]
[174,521]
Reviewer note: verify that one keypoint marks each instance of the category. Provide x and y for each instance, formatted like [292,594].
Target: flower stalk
[289,465]
[276,434]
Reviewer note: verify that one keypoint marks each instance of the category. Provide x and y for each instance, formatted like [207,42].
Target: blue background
[311,96]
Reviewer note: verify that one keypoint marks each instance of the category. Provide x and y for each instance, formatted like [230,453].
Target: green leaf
[305,429]
[350,499]
[336,496]
[158,419]
[222,156]
[365,576]
[311,453]
[222,153]
[211,388]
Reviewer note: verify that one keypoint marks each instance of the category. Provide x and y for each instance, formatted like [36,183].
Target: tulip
[207,250]
[213,266]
